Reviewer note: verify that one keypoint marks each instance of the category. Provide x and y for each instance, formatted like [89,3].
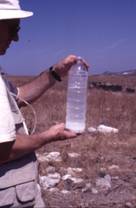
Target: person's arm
[33,90]
[25,144]
[45,80]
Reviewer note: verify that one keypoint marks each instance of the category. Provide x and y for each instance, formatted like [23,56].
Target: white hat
[10,9]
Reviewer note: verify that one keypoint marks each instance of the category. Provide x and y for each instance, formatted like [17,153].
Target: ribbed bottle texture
[77,97]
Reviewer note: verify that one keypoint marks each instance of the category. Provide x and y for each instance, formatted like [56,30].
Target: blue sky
[101,31]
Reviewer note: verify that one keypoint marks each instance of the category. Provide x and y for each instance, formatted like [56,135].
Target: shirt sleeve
[7,126]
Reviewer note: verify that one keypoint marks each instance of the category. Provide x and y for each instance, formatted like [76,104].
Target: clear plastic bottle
[77,97]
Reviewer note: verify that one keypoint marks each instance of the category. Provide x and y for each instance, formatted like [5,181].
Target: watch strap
[54,74]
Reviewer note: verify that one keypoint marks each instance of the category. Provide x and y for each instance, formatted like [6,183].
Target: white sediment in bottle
[77,97]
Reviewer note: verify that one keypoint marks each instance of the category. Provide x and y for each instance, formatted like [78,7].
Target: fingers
[65,65]
[62,133]
[66,135]
[86,65]
[72,59]
[70,134]
[60,126]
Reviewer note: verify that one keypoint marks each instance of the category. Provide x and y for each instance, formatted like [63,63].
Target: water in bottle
[77,97]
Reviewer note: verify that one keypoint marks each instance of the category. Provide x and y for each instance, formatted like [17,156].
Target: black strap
[55,75]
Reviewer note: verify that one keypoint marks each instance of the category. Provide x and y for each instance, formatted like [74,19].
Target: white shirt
[7,124]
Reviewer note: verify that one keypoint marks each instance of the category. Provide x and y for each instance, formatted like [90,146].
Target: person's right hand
[58,132]
[64,65]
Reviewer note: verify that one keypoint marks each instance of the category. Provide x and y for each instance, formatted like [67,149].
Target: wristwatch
[54,74]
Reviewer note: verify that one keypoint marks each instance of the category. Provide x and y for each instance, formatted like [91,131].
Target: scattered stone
[50,169]
[74,179]
[73,155]
[66,176]
[113,167]
[87,188]
[102,172]
[77,180]
[62,171]
[54,189]
[128,205]
[78,185]
[65,191]
[115,177]
[53,156]
[104,183]
[68,184]
[71,182]
[103,129]
[92,130]
[106,129]
[41,158]
[50,180]
[94,191]
[73,171]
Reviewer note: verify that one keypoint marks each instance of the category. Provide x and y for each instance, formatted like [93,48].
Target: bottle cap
[81,62]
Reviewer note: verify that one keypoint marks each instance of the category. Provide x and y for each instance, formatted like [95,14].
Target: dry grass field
[99,154]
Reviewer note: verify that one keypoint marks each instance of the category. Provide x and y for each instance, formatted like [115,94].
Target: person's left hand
[63,66]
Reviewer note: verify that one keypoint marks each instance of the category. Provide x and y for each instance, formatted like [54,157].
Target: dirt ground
[99,155]
[108,158]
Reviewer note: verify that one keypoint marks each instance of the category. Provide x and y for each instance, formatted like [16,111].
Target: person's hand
[58,132]
[63,66]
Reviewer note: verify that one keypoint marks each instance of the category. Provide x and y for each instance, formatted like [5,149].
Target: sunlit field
[98,152]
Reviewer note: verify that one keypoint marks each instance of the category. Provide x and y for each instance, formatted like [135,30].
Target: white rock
[92,130]
[73,155]
[73,171]
[50,180]
[41,158]
[104,183]
[77,180]
[106,129]
[66,176]
[108,178]
[50,169]
[53,156]
[115,177]
[87,187]
[128,205]
[113,167]
[65,191]
[74,179]
[94,191]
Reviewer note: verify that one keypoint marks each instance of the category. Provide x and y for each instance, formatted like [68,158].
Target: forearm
[23,145]
[45,80]
[37,87]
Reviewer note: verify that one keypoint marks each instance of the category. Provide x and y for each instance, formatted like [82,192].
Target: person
[18,164]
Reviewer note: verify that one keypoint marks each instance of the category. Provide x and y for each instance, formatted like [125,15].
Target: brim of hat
[14,14]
